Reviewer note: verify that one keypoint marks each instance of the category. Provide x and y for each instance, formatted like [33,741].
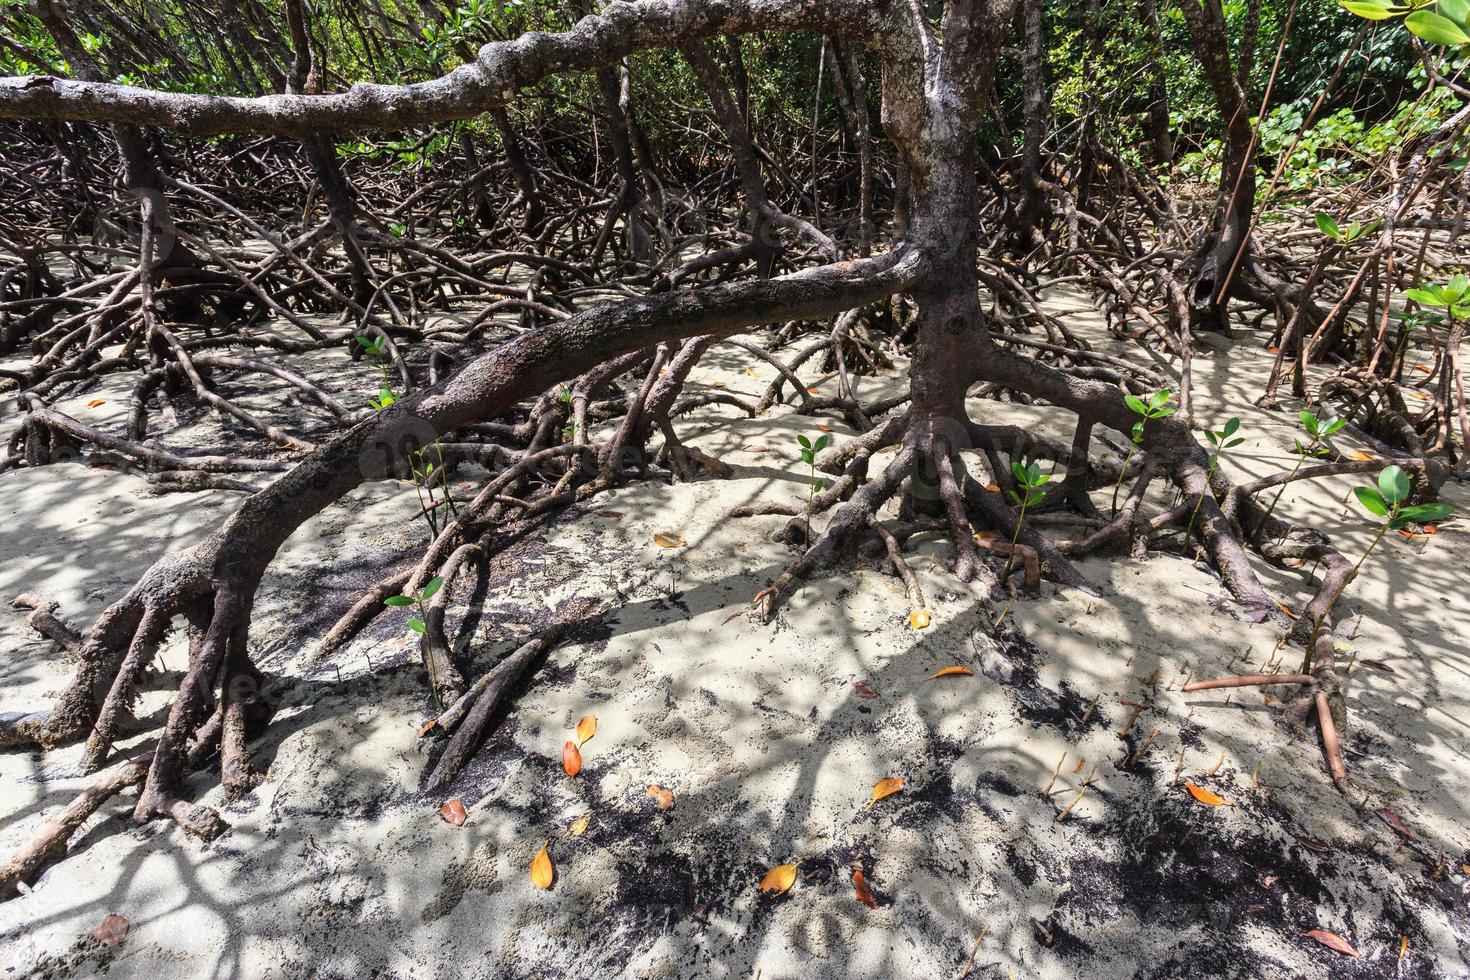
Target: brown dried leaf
[111,931]
[1362,457]
[1377,665]
[754,448]
[1205,796]
[865,690]
[1397,823]
[778,880]
[662,798]
[542,870]
[586,728]
[1312,844]
[664,540]
[887,787]
[571,759]
[826,428]
[611,513]
[993,487]
[861,889]
[1332,941]
[954,671]
[93,404]
[454,813]
[428,727]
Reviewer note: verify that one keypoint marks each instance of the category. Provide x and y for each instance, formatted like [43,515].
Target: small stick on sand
[1091,708]
[1054,773]
[970,963]
[1218,764]
[1153,734]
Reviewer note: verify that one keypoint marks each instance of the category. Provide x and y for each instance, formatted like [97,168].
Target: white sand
[337,866]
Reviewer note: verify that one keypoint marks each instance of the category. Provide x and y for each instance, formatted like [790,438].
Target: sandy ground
[338,866]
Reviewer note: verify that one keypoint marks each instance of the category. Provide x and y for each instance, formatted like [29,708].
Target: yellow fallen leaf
[955,671]
[1362,457]
[1205,796]
[96,401]
[586,728]
[752,372]
[717,384]
[579,826]
[919,619]
[542,871]
[886,787]
[668,540]
[986,537]
[779,879]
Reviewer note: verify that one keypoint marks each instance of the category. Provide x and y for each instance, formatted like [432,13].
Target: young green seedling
[1219,442]
[419,623]
[809,450]
[1328,225]
[1321,430]
[1453,297]
[1030,483]
[1385,501]
[1154,408]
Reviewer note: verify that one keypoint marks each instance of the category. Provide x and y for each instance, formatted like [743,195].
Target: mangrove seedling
[1219,442]
[1030,490]
[1384,501]
[1154,408]
[1321,431]
[419,623]
[809,450]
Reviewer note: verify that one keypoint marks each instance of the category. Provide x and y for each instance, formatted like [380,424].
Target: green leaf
[1210,435]
[1159,398]
[1370,11]
[806,456]
[417,625]
[1326,223]
[1309,422]
[1456,10]
[434,585]
[398,600]
[1333,424]
[1426,296]
[1162,413]
[1232,443]
[1426,513]
[803,442]
[1018,470]
[1371,500]
[1015,496]
[1231,427]
[821,444]
[1394,483]
[1136,404]
[1033,475]
[1435,29]
[1138,433]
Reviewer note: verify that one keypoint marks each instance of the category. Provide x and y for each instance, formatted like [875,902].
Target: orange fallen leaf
[571,759]
[779,879]
[1205,796]
[579,826]
[919,619]
[813,390]
[1397,823]
[454,813]
[993,487]
[1362,457]
[428,727]
[542,870]
[1273,350]
[1282,607]
[955,671]
[1421,367]
[861,889]
[1332,941]
[886,787]
[93,404]
[668,540]
[826,428]
[586,728]
[986,537]
[717,384]
[111,931]
[662,798]
[865,690]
